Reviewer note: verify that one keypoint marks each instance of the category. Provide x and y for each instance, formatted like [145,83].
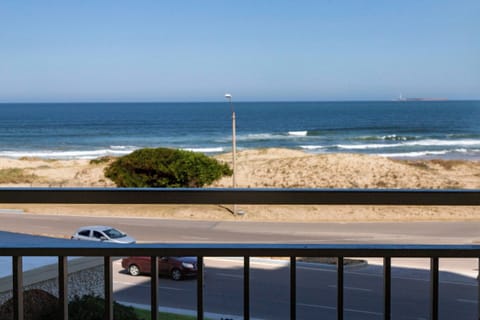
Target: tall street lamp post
[228,96]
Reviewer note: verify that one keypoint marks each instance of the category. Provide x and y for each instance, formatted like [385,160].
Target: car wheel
[133,270]
[176,274]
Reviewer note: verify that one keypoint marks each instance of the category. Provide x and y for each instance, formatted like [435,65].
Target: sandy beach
[267,168]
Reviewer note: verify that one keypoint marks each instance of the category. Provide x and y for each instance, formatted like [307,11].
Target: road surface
[316,286]
[316,291]
[161,230]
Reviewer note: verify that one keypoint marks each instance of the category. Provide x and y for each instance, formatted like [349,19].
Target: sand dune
[271,168]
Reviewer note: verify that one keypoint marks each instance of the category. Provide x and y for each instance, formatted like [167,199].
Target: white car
[102,233]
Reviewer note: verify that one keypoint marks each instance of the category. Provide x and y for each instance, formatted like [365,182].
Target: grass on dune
[16,175]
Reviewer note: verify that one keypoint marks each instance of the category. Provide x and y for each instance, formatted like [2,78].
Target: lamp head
[228,96]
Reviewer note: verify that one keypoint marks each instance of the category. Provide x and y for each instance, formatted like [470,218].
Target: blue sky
[101,50]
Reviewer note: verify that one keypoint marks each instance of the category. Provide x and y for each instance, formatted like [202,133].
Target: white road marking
[286,262]
[147,285]
[229,275]
[335,308]
[351,288]
[467,301]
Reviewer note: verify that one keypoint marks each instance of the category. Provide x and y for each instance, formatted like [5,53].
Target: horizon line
[236,101]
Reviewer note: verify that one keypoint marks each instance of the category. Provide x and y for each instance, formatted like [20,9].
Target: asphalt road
[159,230]
[316,290]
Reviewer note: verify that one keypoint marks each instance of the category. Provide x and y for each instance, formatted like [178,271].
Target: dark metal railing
[239,196]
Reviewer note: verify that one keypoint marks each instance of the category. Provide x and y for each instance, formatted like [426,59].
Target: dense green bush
[40,305]
[165,168]
[92,308]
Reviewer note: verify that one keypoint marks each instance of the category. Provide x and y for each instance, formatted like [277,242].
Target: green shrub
[92,308]
[38,305]
[165,168]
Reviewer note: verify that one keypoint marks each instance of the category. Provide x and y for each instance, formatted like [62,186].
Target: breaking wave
[298,133]
[419,154]
[272,136]
[390,137]
[68,154]
[424,143]
[205,150]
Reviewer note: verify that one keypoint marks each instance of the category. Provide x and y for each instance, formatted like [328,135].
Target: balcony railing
[239,196]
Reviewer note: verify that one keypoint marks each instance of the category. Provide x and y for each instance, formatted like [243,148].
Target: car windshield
[114,233]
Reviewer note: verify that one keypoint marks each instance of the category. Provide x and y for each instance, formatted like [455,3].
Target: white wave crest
[123,147]
[205,150]
[272,136]
[434,142]
[394,137]
[298,133]
[365,146]
[429,153]
[423,143]
[312,147]
[73,154]
[413,154]
[260,137]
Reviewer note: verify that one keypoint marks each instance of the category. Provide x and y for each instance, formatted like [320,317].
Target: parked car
[175,267]
[102,233]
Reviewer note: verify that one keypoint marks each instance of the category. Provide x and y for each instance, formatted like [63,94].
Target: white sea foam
[428,153]
[123,147]
[394,137]
[424,143]
[413,154]
[312,147]
[272,136]
[365,146]
[205,150]
[73,154]
[260,137]
[298,133]
[434,142]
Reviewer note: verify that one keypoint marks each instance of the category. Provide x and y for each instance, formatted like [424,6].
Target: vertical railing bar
[434,288]
[293,288]
[108,287]
[478,290]
[17,269]
[200,288]
[387,287]
[154,288]
[246,287]
[340,288]
[63,286]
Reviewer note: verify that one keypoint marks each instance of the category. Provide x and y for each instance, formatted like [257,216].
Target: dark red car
[174,267]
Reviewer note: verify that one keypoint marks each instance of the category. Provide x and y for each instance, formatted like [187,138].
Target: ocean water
[398,129]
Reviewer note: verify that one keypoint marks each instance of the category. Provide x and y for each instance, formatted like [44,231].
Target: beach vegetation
[419,164]
[145,315]
[16,175]
[32,159]
[90,307]
[102,160]
[447,164]
[165,168]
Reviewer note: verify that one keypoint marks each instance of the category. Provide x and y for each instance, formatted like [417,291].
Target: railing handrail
[63,248]
[57,247]
[443,197]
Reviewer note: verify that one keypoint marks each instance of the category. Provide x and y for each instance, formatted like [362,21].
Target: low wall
[85,276]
